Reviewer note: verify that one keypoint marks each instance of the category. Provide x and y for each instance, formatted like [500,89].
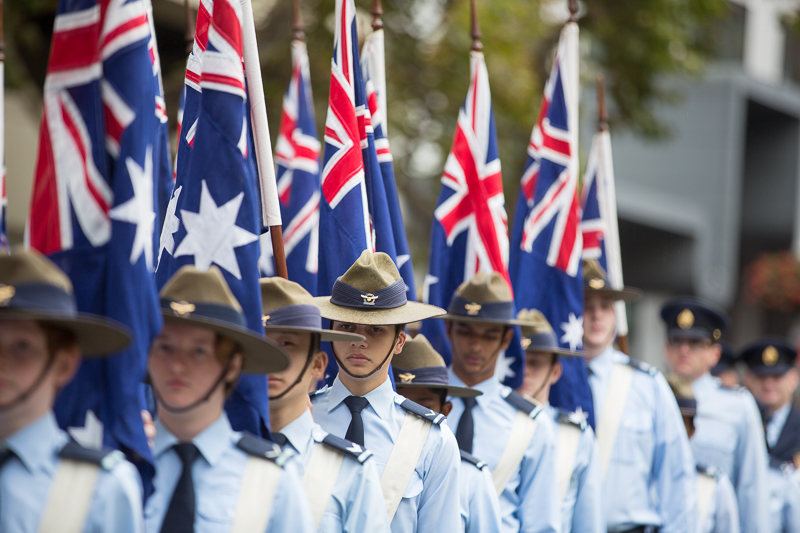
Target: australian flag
[470,228]
[94,206]
[546,241]
[213,215]
[297,158]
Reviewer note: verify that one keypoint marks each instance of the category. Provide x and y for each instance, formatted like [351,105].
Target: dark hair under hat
[727,359]
[690,318]
[770,356]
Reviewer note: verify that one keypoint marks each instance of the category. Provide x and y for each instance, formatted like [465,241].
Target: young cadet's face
[426,397]
[773,391]
[475,348]
[296,345]
[691,358]
[541,371]
[362,357]
[24,353]
[599,322]
[183,365]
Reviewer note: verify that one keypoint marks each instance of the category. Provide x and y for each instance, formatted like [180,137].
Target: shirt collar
[381,398]
[298,431]
[704,383]
[779,416]
[35,443]
[489,387]
[212,441]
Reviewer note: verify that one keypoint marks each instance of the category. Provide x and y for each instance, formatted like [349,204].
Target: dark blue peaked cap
[727,360]
[690,318]
[770,356]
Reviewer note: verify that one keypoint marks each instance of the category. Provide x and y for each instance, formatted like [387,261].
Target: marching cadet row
[369,458]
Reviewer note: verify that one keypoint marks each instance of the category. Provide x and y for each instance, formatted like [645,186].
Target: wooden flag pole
[270,206]
[573,10]
[376,11]
[297,22]
[477,45]
[188,36]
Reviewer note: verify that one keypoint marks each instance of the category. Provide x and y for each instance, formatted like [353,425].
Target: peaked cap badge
[525,342]
[264,320]
[182,308]
[472,309]
[596,284]
[769,355]
[407,377]
[369,298]
[6,293]
[685,319]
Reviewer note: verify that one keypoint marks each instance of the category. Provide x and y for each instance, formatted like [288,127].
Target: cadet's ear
[401,341]
[716,354]
[558,370]
[67,361]
[507,336]
[446,408]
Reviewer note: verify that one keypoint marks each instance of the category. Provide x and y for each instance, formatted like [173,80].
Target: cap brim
[261,355]
[777,369]
[626,294]
[97,336]
[478,319]
[405,314]
[324,334]
[563,352]
[690,333]
[452,390]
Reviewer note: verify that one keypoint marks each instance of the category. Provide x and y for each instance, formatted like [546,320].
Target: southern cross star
[573,332]
[171,225]
[138,209]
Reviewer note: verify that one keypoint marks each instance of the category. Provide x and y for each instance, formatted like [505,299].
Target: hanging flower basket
[773,281]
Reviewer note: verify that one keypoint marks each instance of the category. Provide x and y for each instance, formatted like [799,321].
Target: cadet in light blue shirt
[729,434]
[42,340]
[201,463]
[421,376]
[578,473]
[361,406]
[784,498]
[354,502]
[644,450]
[480,316]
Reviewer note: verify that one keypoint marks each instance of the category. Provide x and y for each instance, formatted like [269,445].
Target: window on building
[728,35]
[791,52]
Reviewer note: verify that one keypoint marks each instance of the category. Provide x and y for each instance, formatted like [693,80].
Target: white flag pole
[270,206]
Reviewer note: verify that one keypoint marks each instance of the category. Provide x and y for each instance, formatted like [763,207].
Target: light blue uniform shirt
[729,436]
[651,474]
[217,474]
[722,515]
[428,504]
[480,508]
[784,500]
[582,508]
[25,482]
[356,504]
[529,501]
[776,423]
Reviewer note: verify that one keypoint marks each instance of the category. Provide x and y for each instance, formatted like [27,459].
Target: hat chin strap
[300,377]
[346,371]
[204,399]
[24,395]
[546,378]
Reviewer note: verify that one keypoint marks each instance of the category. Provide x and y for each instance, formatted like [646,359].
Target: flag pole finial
[188,36]
[477,46]
[376,10]
[602,113]
[297,22]
[573,10]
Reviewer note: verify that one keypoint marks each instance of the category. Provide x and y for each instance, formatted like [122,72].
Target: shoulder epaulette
[258,447]
[709,471]
[644,367]
[107,458]
[422,412]
[472,460]
[523,405]
[572,418]
[778,463]
[357,451]
[318,392]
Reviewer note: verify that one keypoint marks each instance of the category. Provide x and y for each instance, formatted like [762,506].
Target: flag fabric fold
[94,206]
[546,241]
[470,228]
[213,215]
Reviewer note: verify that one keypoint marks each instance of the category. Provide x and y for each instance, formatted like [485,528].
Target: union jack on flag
[546,239]
[297,158]
[94,206]
[470,231]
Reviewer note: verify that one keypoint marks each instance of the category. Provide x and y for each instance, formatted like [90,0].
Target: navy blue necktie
[355,432]
[180,513]
[5,455]
[465,432]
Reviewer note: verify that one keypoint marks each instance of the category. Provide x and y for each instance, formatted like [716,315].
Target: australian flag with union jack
[546,241]
[94,206]
[213,216]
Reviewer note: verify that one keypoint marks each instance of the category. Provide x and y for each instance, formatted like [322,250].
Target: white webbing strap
[320,477]
[70,497]
[569,437]
[259,485]
[618,387]
[521,435]
[706,485]
[403,460]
